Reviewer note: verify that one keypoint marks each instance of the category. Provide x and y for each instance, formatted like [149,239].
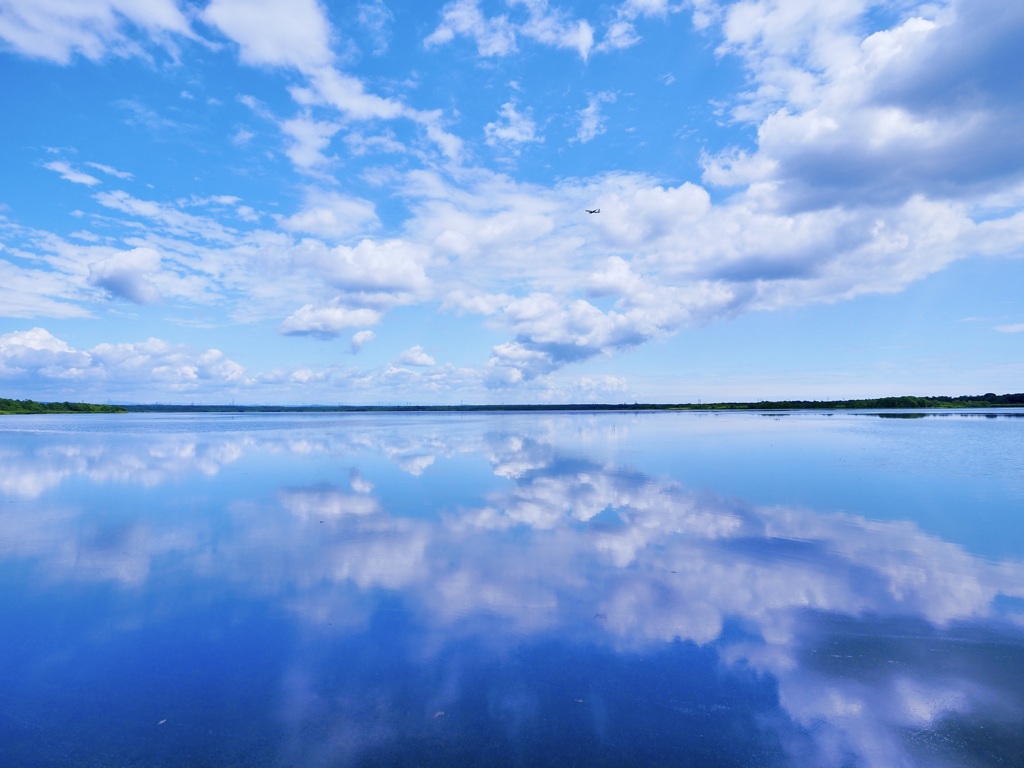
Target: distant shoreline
[988,400]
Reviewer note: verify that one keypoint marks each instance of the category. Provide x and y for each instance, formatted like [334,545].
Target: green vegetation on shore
[988,400]
[31,406]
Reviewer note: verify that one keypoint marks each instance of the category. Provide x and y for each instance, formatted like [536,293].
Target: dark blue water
[672,589]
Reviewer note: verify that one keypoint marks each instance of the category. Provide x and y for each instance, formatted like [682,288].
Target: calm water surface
[673,589]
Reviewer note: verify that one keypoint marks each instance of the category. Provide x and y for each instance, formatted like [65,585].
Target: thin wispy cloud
[70,174]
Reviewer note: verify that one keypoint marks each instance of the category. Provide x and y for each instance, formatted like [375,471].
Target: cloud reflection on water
[878,637]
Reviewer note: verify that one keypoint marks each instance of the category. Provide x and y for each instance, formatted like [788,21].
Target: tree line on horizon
[988,400]
[31,406]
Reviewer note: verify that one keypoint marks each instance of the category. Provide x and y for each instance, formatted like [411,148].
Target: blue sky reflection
[485,589]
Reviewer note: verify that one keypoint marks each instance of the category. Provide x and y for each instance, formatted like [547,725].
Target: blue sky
[384,202]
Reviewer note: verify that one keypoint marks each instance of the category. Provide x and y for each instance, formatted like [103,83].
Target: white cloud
[634,8]
[167,215]
[360,144]
[332,215]
[361,339]
[525,257]
[497,36]
[691,261]
[847,118]
[294,34]
[70,174]
[128,274]
[375,18]
[554,28]
[299,36]
[1011,328]
[37,358]
[348,95]
[309,139]
[173,366]
[36,339]
[242,136]
[619,35]
[513,128]
[592,122]
[493,37]
[110,170]
[325,503]
[27,292]
[247,213]
[382,271]
[551,331]
[327,321]
[416,356]
[56,30]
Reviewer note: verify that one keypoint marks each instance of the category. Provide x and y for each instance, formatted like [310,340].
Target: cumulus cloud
[332,215]
[327,321]
[127,274]
[551,332]
[383,272]
[921,108]
[25,352]
[269,33]
[361,339]
[523,256]
[416,356]
[37,358]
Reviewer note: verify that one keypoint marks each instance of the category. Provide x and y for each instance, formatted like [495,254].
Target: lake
[572,589]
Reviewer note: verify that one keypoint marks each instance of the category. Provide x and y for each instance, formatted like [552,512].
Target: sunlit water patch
[512,589]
